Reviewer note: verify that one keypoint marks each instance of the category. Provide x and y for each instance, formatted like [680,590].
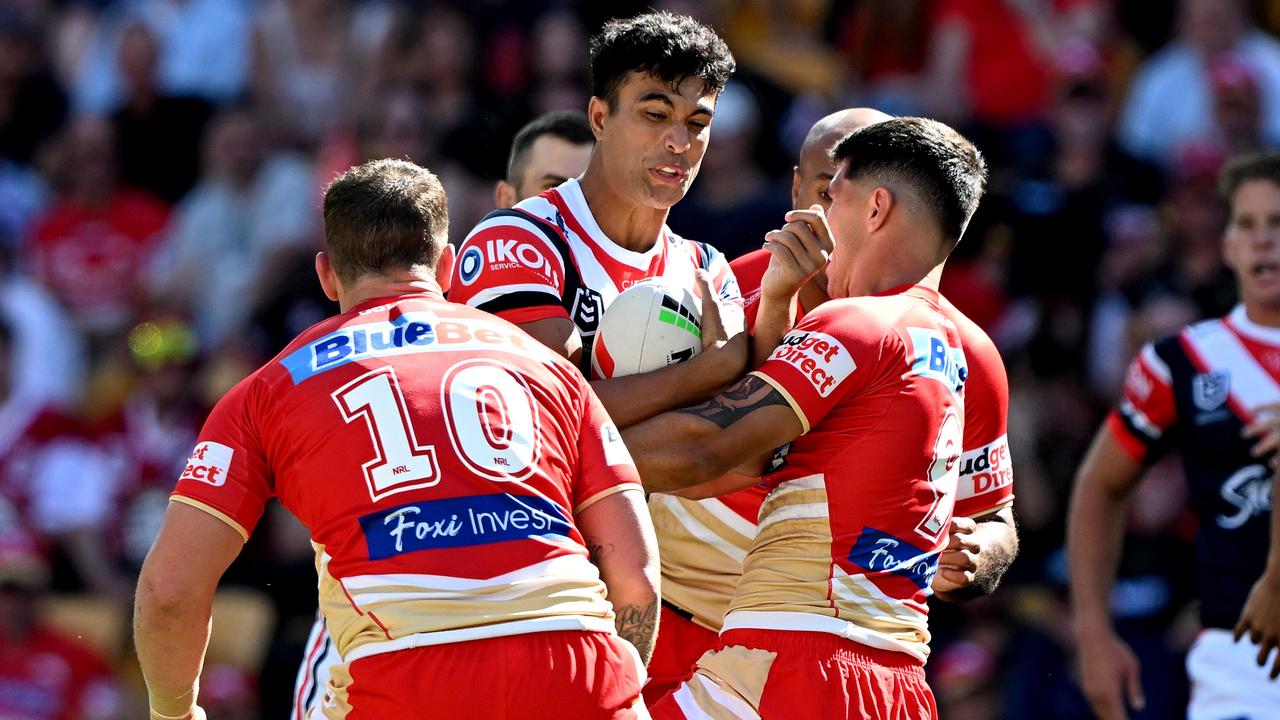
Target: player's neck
[1259,315]
[895,269]
[628,225]
[384,287]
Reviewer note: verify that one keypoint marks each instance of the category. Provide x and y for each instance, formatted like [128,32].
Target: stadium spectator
[45,675]
[1171,100]
[33,105]
[92,247]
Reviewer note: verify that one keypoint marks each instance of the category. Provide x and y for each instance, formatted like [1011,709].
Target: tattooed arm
[691,446]
[619,537]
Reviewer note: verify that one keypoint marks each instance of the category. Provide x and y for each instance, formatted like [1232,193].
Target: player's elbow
[160,594]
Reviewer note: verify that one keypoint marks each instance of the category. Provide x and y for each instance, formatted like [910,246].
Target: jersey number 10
[489,416]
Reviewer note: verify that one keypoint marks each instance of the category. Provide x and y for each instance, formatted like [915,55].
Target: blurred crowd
[161,163]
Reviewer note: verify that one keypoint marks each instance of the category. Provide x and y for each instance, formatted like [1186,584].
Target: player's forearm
[1095,533]
[171,632]
[1273,551]
[774,319]
[670,452]
[635,398]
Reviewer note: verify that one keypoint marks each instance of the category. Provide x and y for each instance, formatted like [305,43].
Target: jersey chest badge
[587,308]
[1209,390]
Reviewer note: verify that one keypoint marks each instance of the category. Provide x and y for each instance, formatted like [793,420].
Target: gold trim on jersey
[335,705]
[606,493]
[795,406]
[701,544]
[212,511]
[727,686]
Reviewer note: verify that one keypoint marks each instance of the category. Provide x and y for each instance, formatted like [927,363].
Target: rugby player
[434,557]
[698,580]
[1208,392]
[548,150]
[864,401]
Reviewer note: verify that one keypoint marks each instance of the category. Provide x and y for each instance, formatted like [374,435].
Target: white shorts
[313,675]
[1226,681]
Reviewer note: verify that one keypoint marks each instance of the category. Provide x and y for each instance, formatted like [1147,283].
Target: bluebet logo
[936,360]
[402,335]
[461,522]
[879,552]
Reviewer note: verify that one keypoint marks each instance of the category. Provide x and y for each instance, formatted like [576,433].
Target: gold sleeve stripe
[606,493]
[212,511]
[991,510]
[795,406]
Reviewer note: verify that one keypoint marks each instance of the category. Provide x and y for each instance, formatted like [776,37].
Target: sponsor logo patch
[208,464]
[1248,492]
[615,452]
[880,553]
[470,265]
[936,360]
[818,356]
[505,254]
[986,469]
[461,522]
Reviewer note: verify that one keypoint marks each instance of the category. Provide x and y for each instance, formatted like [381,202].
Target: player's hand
[959,560]
[724,337]
[1110,675]
[798,250]
[1266,428]
[1261,619]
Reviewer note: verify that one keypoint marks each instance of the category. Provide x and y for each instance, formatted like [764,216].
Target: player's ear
[795,186]
[328,276]
[879,204]
[504,195]
[597,109]
[444,267]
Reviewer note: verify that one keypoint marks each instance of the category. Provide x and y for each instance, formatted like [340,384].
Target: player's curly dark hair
[669,47]
[945,171]
[1254,166]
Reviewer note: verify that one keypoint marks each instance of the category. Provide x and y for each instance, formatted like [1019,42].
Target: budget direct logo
[986,469]
[818,356]
[209,464]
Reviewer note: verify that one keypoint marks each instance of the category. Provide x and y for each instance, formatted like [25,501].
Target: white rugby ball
[650,325]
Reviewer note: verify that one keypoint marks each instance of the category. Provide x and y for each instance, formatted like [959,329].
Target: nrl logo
[1209,390]
[588,306]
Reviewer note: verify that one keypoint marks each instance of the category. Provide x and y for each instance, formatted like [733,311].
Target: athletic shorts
[791,675]
[551,675]
[680,643]
[1226,681]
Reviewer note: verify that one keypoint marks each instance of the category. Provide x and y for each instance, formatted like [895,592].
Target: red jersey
[95,261]
[52,677]
[438,456]
[849,536]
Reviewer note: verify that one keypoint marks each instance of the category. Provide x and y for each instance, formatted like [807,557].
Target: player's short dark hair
[1254,166]
[384,215]
[666,46]
[568,125]
[943,168]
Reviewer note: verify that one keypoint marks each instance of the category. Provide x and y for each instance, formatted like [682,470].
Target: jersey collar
[571,191]
[391,299]
[1240,322]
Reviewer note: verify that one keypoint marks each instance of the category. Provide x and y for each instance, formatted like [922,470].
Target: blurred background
[161,163]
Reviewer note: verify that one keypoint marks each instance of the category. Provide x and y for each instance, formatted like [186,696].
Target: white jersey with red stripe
[548,258]
[1194,392]
[438,456]
[859,505]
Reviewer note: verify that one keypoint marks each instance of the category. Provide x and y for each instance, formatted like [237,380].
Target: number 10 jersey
[438,456]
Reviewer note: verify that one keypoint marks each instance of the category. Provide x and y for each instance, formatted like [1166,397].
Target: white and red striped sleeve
[1147,410]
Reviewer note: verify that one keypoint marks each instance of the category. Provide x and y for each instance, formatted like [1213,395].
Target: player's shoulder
[979,348]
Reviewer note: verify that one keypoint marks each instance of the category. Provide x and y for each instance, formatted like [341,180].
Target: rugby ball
[650,325]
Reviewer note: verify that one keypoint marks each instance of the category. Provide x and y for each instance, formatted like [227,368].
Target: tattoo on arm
[638,626]
[597,551]
[730,406]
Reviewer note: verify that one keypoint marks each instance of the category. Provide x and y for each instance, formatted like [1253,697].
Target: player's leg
[1226,681]
[313,674]
[675,655]
[574,674]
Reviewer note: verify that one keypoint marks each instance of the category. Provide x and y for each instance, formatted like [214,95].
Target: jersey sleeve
[605,466]
[227,474]
[723,279]
[823,359]
[986,469]
[507,267]
[1147,410]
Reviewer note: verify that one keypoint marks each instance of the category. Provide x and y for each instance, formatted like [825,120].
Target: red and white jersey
[438,456]
[859,506]
[548,258]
